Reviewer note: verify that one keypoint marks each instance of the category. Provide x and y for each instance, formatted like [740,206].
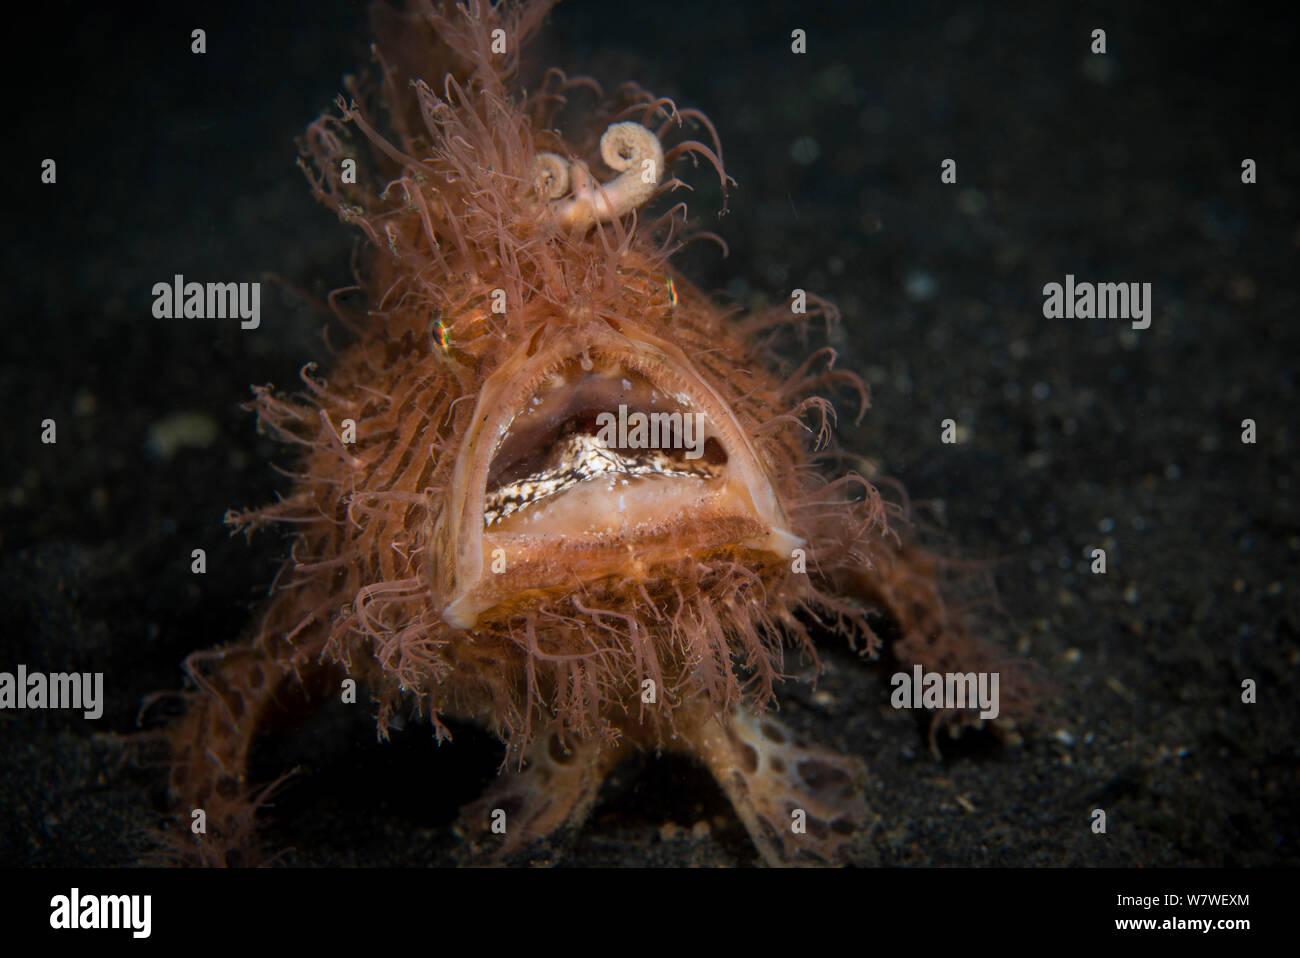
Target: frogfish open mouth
[551,487]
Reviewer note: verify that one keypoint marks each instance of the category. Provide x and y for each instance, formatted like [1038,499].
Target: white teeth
[582,458]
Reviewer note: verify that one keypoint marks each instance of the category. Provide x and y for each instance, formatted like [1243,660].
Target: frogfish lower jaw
[601,454]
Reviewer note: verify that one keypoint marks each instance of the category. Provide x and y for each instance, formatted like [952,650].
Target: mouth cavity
[594,433]
[599,458]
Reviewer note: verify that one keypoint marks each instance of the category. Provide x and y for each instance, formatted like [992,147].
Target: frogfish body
[550,487]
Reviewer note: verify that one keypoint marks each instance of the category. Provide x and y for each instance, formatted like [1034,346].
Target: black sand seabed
[1075,433]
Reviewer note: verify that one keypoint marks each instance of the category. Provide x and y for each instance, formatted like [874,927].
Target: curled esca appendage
[578,200]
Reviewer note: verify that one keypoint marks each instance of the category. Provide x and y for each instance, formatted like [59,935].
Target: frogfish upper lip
[500,538]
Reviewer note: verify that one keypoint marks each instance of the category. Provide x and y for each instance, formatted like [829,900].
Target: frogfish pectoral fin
[801,804]
[556,787]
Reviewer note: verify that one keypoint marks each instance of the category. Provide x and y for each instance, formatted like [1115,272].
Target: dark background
[1076,433]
